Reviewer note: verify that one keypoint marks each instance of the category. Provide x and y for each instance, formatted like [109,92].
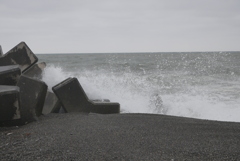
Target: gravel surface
[75,136]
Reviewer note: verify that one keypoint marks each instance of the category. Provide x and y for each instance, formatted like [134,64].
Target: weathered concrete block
[35,71]
[101,100]
[62,110]
[9,103]
[105,108]
[9,75]
[52,104]
[32,97]
[71,96]
[20,55]
[1,52]
[73,99]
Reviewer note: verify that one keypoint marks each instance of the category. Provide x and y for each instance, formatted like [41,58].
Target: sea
[203,85]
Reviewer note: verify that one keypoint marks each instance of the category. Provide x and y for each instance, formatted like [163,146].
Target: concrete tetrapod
[32,97]
[1,52]
[9,75]
[51,104]
[9,103]
[35,71]
[73,99]
[20,55]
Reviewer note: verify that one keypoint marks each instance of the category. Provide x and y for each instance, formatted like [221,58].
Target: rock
[20,55]
[52,104]
[9,103]
[32,97]
[9,75]
[1,52]
[73,99]
[36,70]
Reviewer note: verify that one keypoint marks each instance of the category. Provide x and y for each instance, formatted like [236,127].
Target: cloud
[121,25]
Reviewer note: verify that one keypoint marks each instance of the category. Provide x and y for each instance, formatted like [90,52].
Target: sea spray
[198,85]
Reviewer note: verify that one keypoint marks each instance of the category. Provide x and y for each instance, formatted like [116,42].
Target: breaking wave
[155,92]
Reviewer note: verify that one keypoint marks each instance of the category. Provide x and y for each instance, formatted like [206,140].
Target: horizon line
[138,52]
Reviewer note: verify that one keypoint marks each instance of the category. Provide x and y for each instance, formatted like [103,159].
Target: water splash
[171,93]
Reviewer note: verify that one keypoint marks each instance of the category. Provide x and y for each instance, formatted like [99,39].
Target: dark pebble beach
[76,136]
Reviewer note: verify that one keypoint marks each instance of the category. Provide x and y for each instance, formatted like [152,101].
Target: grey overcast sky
[92,26]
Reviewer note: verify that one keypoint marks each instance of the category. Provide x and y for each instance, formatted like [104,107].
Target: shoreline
[76,136]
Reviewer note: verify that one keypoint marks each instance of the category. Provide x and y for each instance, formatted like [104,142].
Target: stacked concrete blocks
[73,99]
[9,93]
[24,96]
[21,97]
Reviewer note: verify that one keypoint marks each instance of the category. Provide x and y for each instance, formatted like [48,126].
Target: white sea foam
[53,75]
[202,107]
[137,95]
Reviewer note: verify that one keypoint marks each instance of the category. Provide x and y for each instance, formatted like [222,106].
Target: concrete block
[71,96]
[73,99]
[51,104]
[1,52]
[105,108]
[9,103]
[35,71]
[32,97]
[101,100]
[62,110]
[9,75]
[20,55]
